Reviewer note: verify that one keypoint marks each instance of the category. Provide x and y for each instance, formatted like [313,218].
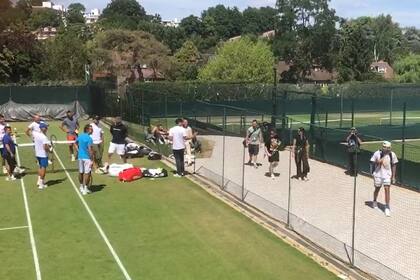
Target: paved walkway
[324,209]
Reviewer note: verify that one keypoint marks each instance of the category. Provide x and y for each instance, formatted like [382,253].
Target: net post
[403,142]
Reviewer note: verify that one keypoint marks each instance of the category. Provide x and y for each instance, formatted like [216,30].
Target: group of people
[254,138]
[383,162]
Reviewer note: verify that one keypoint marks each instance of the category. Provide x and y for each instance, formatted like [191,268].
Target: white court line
[12,228]
[101,232]
[29,221]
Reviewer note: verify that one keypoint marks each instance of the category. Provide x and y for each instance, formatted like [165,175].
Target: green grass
[161,229]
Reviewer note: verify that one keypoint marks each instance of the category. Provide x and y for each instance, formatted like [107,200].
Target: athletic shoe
[387,212]
[49,162]
[177,176]
[81,188]
[84,192]
[87,191]
[41,187]
[73,158]
[306,179]
[272,176]
[375,205]
[255,165]
[4,170]
[10,178]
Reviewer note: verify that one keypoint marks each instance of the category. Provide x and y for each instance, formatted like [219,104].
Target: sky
[405,12]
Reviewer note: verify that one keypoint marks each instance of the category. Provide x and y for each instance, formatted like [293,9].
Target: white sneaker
[81,189]
[306,179]
[73,158]
[4,170]
[10,178]
[375,205]
[87,191]
[41,187]
[387,212]
[49,161]
[272,176]
[255,165]
[176,175]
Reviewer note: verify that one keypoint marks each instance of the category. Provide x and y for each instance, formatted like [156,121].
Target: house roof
[383,67]
[317,74]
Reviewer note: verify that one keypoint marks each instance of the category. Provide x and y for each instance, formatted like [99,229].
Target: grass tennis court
[151,229]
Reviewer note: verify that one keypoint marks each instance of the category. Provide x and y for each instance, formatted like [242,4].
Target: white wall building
[171,23]
[51,5]
[92,16]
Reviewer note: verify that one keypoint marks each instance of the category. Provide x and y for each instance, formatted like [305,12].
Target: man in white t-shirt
[98,143]
[34,126]
[178,136]
[2,132]
[384,168]
[42,148]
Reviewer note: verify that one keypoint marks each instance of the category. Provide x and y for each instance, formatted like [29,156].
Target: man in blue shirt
[9,153]
[85,156]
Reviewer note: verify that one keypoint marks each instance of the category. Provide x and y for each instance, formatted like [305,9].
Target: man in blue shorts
[85,157]
[42,148]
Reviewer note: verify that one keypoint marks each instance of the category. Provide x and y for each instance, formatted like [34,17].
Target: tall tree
[6,58]
[305,35]
[258,20]
[408,69]
[412,37]
[44,18]
[124,14]
[75,13]
[192,25]
[222,22]
[241,60]
[185,62]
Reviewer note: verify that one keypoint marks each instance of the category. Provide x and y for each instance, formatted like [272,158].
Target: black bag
[154,156]
[144,151]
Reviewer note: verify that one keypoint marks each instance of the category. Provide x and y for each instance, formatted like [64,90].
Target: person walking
[70,125]
[9,153]
[2,132]
[272,150]
[42,148]
[300,151]
[85,156]
[119,134]
[98,144]
[353,148]
[34,126]
[253,140]
[178,136]
[384,169]
[189,133]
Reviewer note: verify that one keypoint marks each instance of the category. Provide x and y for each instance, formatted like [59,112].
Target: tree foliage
[412,37]
[75,13]
[44,18]
[124,14]
[240,60]
[258,20]
[305,35]
[185,62]
[408,69]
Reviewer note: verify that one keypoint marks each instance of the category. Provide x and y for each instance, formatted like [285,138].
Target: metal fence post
[403,142]
[341,109]
[356,171]
[224,146]
[326,119]
[352,113]
[289,195]
[391,106]
[243,174]
[274,99]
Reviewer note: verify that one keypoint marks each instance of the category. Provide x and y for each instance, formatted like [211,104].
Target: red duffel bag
[130,174]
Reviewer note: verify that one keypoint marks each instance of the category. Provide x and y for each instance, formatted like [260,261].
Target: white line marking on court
[12,228]
[101,232]
[29,221]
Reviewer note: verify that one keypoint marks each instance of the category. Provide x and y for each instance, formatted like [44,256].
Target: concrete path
[322,209]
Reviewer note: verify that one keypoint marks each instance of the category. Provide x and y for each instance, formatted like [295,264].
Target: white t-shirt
[384,170]
[188,130]
[40,139]
[34,127]
[178,133]
[96,133]
[2,126]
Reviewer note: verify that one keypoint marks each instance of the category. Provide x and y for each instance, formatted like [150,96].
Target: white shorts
[85,166]
[116,148]
[379,182]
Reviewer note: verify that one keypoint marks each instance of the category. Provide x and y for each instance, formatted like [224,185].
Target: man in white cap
[384,168]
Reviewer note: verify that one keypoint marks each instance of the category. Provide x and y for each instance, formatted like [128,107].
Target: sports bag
[155,173]
[115,169]
[154,156]
[131,174]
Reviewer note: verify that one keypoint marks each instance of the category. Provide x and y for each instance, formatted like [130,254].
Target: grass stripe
[101,232]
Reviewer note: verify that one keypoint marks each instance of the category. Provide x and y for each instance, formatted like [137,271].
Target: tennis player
[2,133]
[9,153]
[42,148]
[70,125]
[85,156]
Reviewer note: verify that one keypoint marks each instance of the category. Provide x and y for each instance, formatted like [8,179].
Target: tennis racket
[53,141]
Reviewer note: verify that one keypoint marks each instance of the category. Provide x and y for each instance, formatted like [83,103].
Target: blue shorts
[43,162]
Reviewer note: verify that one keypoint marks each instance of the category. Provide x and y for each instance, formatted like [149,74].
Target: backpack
[154,156]
[130,174]
[155,173]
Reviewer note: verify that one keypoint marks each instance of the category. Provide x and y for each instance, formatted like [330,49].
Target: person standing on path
[384,169]
[70,125]
[188,130]
[253,139]
[178,136]
[300,151]
[272,150]
[98,143]
[353,148]
[42,148]
[85,156]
